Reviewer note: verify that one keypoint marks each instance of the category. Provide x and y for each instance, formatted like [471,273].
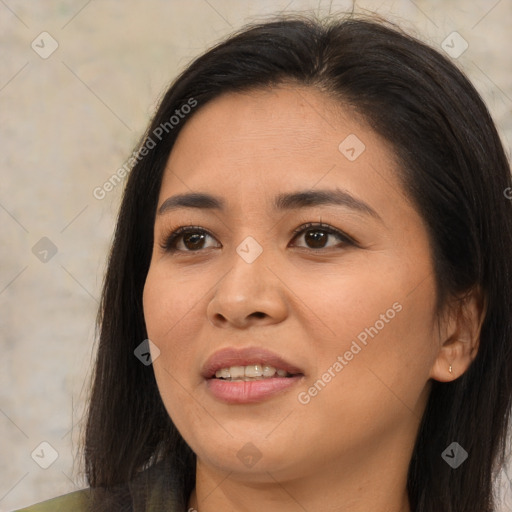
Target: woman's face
[353,321]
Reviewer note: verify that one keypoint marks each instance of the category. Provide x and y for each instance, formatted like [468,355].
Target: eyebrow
[282,202]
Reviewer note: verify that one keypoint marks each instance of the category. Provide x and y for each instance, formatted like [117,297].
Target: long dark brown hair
[453,168]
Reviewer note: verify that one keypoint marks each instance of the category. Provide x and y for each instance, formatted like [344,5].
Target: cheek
[377,314]
[169,309]
[170,302]
[168,305]
[377,366]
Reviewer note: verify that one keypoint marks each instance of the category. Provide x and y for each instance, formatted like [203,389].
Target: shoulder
[156,489]
[76,501]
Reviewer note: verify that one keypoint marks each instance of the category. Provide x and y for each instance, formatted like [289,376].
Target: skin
[348,449]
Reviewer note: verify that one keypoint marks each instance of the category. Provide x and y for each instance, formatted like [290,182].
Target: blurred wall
[79,81]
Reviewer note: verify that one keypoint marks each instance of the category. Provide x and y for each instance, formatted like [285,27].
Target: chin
[248,462]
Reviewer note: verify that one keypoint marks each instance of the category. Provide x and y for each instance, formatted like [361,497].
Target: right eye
[192,238]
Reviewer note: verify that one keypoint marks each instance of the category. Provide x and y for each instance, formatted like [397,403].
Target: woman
[371,372]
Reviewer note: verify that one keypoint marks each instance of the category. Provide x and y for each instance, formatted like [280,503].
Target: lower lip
[246,392]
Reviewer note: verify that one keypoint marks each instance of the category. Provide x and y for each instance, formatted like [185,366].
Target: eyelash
[169,242]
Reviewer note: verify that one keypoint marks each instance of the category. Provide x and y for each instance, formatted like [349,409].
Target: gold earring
[450,369]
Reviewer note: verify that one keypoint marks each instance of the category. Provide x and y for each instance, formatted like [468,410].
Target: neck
[375,481]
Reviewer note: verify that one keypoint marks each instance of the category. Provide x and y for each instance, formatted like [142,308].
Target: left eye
[193,237]
[319,233]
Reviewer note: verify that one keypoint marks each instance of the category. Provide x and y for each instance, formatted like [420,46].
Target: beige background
[68,122]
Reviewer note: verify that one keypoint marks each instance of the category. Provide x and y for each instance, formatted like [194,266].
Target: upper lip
[228,357]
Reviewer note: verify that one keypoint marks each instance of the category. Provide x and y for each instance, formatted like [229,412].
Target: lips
[225,358]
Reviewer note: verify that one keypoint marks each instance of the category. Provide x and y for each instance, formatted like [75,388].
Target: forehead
[249,146]
[281,118]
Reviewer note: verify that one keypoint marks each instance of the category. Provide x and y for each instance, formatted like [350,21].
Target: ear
[459,335]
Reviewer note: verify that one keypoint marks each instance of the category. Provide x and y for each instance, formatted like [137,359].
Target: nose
[250,293]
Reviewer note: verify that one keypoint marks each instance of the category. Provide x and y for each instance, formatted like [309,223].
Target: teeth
[268,371]
[236,372]
[250,372]
[223,374]
[253,371]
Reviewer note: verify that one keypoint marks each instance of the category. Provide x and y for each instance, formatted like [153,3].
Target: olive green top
[74,501]
[153,490]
